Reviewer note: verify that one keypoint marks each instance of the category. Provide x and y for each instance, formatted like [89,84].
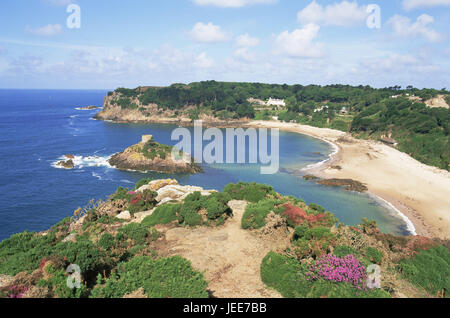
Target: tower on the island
[147,138]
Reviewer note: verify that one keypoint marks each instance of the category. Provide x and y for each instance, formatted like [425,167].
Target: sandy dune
[420,192]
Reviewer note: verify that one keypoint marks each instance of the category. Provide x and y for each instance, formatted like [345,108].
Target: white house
[318,110]
[276,102]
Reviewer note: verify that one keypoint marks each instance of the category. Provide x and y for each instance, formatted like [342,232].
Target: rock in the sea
[66,164]
[148,155]
[125,215]
[348,184]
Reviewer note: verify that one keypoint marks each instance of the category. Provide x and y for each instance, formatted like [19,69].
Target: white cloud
[203,61]
[414,4]
[48,30]
[299,43]
[244,55]
[403,27]
[208,33]
[340,14]
[232,3]
[246,40]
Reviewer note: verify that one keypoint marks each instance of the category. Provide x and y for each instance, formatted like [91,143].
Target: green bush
[24,251]
[142,182]
[171,277]
[251,192]
[164,214]
[57,283]
[429,269]
[288,276]
[85,254]
[255,214]
[121,194]
[344,250]
[142,201]
[136,232]
[374,255]
[215,204]
[106,241]
[317,208]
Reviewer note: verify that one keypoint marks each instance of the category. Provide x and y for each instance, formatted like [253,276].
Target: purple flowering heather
[340,270]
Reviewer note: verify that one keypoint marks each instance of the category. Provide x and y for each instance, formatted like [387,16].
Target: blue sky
[149,42]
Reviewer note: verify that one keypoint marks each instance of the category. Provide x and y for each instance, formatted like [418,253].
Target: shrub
[85,254]
[121,194]
[283,274]
[288,276]
[300,231]
[429,269]
[251,192]
[107,241]
[344,250]
[24,251]
[316,208]
[215,204]
[255,214]
[374,255]
[347,269]
[57,283]
[136,232]
[162,215]
[171,277]
[144,201]
[142,182]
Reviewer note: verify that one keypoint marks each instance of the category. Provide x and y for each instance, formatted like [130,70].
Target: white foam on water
[127,181]
[330,157]
[81,162]
[409,224]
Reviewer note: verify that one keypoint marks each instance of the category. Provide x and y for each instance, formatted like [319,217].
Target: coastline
[392,177]
[417,192]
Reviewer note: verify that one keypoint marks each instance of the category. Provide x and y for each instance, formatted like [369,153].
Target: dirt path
[229,256]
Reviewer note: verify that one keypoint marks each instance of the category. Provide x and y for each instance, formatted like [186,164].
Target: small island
[149,155]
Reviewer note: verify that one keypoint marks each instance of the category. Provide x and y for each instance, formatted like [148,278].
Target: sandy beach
[420,192]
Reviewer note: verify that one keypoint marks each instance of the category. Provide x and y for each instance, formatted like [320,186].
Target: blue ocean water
[37,127]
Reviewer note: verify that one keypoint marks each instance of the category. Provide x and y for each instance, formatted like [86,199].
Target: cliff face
[149,155]
[143,113]
[153,114]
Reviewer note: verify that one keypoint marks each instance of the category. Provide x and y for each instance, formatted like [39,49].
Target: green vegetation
[164,214]
[429,269]
[320,259]
[288,276]
[251,192]
[366,112]
[153,149]
[162,278]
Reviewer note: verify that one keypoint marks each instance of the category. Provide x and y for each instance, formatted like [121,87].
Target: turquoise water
[37,127]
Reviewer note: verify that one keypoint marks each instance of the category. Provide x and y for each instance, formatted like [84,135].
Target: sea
[39,127]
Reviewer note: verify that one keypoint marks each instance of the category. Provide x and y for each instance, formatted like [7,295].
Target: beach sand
[420,192]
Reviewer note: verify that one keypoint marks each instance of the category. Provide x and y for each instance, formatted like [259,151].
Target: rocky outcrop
[348,184]
[170,190]
[151,113]
[66,164]
[91,107]
[148,155]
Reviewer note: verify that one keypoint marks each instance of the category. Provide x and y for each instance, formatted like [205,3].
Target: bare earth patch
[229,256]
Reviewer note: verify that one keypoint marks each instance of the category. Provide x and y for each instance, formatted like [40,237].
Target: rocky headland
[149,155]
